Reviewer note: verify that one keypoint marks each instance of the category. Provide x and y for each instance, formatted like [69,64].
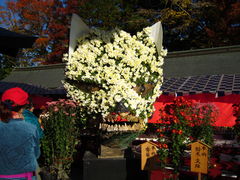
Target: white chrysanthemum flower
[116,63]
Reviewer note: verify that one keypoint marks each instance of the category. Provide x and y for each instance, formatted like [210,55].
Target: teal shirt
[31,118]
[19,147]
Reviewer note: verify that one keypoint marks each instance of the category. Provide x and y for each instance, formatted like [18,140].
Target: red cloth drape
[161,175]
[225,114]
[202,98]
[231,99]
[165,98]
[223,105]
[40,101]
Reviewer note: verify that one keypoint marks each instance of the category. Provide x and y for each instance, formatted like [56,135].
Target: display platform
[109,169]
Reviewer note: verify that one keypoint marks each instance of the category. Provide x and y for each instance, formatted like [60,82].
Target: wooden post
[199,176]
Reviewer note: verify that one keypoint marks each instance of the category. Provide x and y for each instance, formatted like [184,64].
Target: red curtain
[40,101]
[223,105]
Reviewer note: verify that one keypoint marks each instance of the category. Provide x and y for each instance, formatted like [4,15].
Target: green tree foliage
[105,14]
[189,24]
[6,65]
[222,23]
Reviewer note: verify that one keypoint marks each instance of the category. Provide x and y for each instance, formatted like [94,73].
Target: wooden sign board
[199,157]
[148,151]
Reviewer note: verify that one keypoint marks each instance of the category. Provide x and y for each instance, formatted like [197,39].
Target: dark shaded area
[32,89]
[92,168]
[11,42]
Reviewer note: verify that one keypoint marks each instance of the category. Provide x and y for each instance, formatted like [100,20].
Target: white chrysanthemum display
[115,62]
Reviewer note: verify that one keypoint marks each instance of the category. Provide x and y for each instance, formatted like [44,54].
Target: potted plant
[181,123]
[62,121]
[236,127]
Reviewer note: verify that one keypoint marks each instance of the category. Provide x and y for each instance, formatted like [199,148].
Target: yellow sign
[148,150]
[199,157]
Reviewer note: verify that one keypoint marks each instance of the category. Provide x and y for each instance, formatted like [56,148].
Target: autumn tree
[58,30]
[222,23]
[29,17]
[47,19]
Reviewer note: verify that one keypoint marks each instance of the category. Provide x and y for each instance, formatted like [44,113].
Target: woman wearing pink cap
[19,140]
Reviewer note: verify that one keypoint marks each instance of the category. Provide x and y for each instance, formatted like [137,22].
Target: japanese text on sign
[199,157]
[148,150]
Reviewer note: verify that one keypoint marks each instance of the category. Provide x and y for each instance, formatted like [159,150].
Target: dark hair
[5,113]
[29,105]
[6,109]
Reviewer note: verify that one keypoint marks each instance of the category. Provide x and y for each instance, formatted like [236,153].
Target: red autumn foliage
[47,19]
[222,25]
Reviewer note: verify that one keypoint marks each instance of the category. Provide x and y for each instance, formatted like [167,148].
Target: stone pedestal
[113,169]
[108,152]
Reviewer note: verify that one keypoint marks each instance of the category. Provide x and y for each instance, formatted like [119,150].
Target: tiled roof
[210,61]
[225,83]
[31,89]
[213,70]
[47,76]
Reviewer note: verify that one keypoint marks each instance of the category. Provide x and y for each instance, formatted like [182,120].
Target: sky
[2,2]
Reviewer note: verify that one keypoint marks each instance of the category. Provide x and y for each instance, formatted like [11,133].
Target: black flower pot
[45,174]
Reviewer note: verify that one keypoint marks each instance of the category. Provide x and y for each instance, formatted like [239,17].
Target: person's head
[29,106]
[13,100]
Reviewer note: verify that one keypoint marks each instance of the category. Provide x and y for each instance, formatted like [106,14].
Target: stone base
[113,169]
[107,152]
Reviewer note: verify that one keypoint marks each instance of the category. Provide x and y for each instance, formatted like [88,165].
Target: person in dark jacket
[19,140]
[30,117]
